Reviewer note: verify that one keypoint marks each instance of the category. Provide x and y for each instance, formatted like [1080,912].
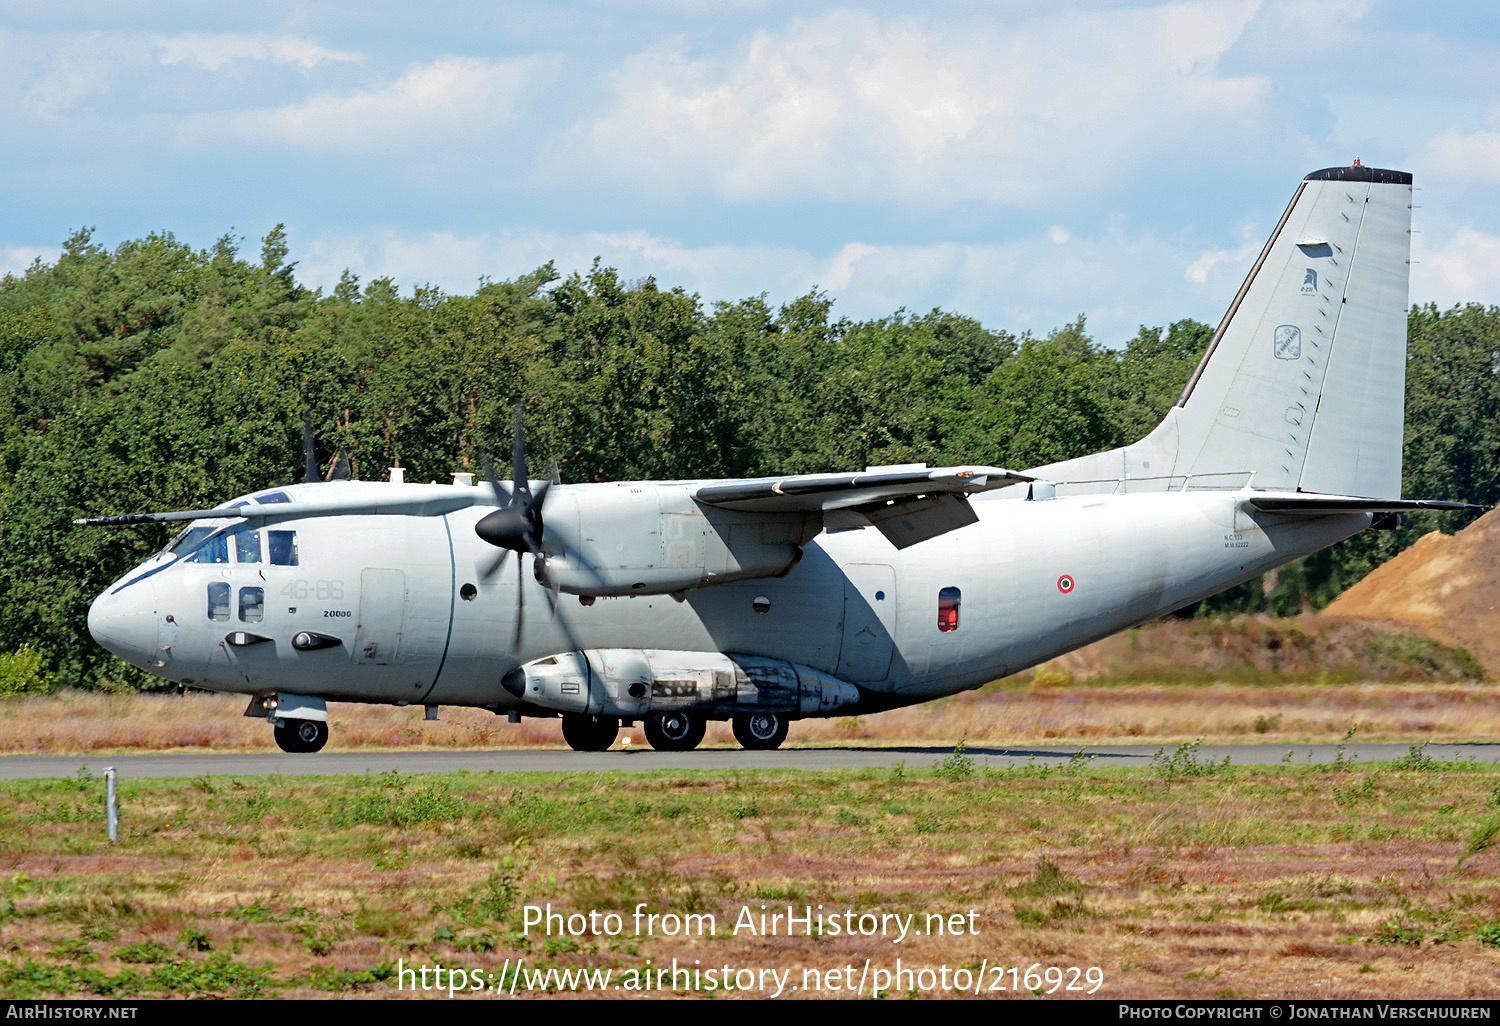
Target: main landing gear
[674,731]
[300,736]
[760,731]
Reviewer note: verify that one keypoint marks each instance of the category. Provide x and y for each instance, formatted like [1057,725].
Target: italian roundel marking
[1065,583]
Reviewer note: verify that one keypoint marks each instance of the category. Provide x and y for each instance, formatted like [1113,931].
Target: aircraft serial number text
[301,589]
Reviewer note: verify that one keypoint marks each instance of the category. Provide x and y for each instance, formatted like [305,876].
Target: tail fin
[1302,388]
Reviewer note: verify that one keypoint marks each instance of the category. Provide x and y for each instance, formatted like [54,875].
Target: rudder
[1302,387]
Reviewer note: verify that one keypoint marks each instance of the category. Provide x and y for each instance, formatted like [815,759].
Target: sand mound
[1449,585]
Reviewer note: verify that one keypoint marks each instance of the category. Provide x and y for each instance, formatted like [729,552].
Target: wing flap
[905,522]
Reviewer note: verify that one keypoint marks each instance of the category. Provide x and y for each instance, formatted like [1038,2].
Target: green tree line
[157,376]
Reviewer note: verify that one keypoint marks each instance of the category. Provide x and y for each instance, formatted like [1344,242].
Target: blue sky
[1020,162]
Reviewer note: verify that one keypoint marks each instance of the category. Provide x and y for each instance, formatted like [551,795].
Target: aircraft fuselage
[421,619]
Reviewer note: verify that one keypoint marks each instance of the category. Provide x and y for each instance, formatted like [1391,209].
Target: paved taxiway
[257,764]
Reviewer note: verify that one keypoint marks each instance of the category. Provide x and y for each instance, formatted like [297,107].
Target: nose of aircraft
[123,620]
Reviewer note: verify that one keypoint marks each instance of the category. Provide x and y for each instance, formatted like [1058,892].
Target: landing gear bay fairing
[770,600]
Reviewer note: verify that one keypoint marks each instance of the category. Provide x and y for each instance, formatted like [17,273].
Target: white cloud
[16,259]
[1239,258]
[849,107]
[61,71]
[1030,284]
[1457,156]
[80,66]
[1462,268]
[214,51]
[453,98]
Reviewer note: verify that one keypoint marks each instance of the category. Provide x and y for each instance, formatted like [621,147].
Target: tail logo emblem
[1310,283]
[1287,343]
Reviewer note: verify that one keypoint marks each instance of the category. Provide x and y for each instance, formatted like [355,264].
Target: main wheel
[586,733]
[299,736]
[675,731]
[760,731]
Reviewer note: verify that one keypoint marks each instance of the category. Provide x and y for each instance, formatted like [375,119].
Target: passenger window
[252,604]
[948,603]
[215,550]
[218,601]
[283,546]
[247,546]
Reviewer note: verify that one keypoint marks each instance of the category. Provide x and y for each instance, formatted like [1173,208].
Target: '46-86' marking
[301,589]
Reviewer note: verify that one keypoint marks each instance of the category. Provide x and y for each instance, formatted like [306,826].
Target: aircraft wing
[408,500]
[906,504]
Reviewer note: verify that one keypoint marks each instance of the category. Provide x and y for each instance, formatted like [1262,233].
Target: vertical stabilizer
[1302,388]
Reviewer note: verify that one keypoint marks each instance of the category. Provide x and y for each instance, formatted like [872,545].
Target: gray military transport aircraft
[769,600]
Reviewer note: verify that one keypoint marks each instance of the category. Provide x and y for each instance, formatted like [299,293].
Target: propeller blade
[550,590]
[489,475]
[520,603]
[562,621]
[339,470]
[487,575]
[309,450]
[518,453]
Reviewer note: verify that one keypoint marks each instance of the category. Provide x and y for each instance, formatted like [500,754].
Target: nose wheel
[675,731]
[585,733]
[301,736]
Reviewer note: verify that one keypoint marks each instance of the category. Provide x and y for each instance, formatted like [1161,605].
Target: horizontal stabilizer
[1322,505]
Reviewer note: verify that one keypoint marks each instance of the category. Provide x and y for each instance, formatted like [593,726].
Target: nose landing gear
[585,733]
[301,736]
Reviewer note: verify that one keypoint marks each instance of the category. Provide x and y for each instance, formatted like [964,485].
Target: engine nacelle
[633,683]
[653,539]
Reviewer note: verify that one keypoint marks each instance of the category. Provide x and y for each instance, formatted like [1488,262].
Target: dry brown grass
[1016,713]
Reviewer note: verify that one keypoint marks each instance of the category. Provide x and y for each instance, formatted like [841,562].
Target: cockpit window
[246,546]
[271,497]
[189,539]
[214,550]
[283,546]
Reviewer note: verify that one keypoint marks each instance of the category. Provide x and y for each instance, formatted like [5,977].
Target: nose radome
[123,620]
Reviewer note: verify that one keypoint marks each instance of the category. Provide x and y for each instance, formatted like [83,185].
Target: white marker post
[111,806]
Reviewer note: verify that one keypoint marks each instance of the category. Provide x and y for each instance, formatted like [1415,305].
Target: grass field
[1181,880]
